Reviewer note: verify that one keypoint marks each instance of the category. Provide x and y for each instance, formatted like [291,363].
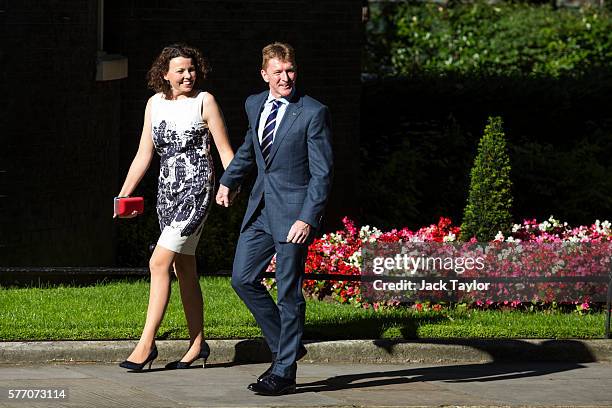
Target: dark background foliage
[419,138]
[422,118]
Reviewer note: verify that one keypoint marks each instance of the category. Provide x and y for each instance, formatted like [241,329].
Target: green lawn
[117,311]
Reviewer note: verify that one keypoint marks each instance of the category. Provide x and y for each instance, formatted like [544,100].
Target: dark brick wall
[62,137]
[71,139]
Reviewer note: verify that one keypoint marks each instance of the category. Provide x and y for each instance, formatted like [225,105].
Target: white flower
[355,259]
[516,227]
[449,238]
[367,233]
[602,227]
[499,236]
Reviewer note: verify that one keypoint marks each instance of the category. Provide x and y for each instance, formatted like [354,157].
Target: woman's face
[181,75]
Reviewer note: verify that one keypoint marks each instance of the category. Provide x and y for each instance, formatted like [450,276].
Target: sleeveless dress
[186,174]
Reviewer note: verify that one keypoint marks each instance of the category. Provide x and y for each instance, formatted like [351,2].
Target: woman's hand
[132,215]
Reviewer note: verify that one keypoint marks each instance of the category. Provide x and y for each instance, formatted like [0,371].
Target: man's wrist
[306,224]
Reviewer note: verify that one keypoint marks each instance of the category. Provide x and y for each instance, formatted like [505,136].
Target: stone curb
[343,351]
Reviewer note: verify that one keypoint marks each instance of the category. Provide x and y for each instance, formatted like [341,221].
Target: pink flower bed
[339,253]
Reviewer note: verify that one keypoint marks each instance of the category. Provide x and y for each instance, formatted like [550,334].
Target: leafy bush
[500,39]
[490,199]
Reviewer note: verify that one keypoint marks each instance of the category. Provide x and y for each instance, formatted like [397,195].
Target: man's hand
[225,196]
[299,232]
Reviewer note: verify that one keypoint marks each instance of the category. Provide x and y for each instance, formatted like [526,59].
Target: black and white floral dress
[186,174]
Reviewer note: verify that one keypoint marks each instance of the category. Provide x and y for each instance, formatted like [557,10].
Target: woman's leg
[191,296]
[159,294]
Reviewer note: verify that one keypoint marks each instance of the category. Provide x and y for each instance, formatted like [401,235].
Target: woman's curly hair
[155,76]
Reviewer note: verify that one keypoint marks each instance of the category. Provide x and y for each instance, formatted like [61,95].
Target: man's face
[280,76]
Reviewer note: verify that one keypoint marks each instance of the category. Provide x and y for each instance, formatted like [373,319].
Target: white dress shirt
[279,115]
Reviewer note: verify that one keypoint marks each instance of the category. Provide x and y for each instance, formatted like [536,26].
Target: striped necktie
[267,137]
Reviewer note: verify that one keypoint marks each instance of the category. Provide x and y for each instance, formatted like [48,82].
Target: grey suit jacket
[296,181]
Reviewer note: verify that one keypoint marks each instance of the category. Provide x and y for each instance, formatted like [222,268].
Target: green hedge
[490,200]
[502,39]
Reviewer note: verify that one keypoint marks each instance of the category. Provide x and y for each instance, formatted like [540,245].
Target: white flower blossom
[367,233]
[602,227]
[449,238]
[355,259]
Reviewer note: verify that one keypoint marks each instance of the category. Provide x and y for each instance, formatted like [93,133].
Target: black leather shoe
[301,353]
[139,366]
[273,385]
[178,365]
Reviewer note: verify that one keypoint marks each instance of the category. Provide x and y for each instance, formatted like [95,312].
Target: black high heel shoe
[139,366]
[204,353]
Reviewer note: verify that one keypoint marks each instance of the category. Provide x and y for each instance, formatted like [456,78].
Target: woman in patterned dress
[179,121]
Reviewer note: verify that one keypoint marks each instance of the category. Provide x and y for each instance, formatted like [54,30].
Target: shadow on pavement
[454,374]
[510,350]
[511,359]
[552,356]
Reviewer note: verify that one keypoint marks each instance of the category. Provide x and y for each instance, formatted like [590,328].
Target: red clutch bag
[125,206]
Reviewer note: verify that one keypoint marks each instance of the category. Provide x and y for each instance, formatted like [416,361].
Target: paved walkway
[329,385]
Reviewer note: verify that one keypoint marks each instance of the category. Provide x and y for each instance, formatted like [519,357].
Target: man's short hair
[281,51]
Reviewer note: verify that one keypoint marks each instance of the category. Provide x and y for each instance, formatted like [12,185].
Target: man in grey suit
[289,142]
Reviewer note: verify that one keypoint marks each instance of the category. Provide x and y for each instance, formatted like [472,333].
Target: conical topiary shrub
[490,198]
